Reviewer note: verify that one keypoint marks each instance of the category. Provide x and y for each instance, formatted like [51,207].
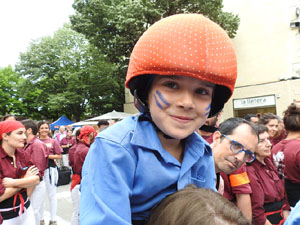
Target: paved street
[64,206]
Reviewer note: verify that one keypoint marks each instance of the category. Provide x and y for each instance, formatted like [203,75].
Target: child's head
[196,206]
[182,70]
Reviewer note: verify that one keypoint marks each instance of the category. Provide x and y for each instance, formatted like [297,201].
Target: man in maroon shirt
[234,144]
[37,152]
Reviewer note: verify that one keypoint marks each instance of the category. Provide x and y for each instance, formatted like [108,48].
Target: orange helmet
[187,45]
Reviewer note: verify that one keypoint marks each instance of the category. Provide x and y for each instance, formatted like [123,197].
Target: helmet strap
[147,117]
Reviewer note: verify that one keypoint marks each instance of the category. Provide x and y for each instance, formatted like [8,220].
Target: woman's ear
[4,136]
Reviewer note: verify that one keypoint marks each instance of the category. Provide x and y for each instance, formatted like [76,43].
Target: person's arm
[55,156]
[243,202]
[106,186]
[9,192]
[257,197]
[30,179]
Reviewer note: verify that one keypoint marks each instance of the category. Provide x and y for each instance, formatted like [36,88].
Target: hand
[32,171]
[286,213]
[8,182]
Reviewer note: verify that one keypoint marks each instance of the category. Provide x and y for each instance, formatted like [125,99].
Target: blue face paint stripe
[206,114]
[208,107]
[157,103]
[162,98]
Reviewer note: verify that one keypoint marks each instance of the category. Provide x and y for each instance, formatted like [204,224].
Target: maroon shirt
[53,146]
[37,151]
[236,183]
[71,155]
[7,168]
[79,156]
[266,188]
[66,140]
[286,157]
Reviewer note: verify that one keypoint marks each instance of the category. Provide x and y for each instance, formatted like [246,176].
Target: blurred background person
[8,117]
[86,138]
[286,154]
[51,173]
[270,120]
[268,198]
[251,118]
[102,125]
[66,143]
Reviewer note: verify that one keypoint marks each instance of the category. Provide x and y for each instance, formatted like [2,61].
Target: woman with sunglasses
[268,198]
[18,175]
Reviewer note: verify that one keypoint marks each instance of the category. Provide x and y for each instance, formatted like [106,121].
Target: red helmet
[187,45]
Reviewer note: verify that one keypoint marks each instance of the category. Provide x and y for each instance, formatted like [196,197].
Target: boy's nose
[185,100]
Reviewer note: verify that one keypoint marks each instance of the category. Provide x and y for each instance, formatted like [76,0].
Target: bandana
[85,131]
[9,126]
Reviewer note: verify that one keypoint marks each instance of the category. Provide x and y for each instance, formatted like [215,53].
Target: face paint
[158,96]
[157,102]
[162,98]
[207,110]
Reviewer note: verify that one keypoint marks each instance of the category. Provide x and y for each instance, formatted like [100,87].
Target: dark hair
[260,128]
[77,133]
[103,122]
[249,116]
[196,206]
[43,122]
[29,123]
[266,117]
[291,118]
[228,126]
[7,116]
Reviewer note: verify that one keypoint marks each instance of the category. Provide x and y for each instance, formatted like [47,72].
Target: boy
[182,69]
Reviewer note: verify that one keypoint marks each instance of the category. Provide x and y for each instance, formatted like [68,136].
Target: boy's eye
[201,91]
[172,85]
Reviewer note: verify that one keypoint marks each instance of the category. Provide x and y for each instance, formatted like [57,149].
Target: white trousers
[50,178]
[37,201]
[25,219]
[75,194]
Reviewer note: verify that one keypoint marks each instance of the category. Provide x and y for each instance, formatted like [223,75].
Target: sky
[22,21]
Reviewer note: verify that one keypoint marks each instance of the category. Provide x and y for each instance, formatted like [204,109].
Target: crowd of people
[173,163]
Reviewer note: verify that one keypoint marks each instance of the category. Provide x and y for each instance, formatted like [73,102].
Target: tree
[9,103]
[64,74]
[114,26]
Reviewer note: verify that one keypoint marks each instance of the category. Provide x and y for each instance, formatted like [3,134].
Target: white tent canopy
[82,123]
[114,115]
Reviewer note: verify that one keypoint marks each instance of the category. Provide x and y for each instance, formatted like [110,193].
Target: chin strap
[147,117]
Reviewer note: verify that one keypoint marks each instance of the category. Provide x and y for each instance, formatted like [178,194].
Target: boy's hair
[196,206]
[29,123]
[228,126]
[291,118]
[266,117]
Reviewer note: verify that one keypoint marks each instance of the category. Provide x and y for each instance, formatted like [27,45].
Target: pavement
[64,206]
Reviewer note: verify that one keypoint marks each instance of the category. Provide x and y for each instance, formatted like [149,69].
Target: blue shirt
[294,217]
[127,172]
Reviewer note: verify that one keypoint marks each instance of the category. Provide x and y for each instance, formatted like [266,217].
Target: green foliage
[9,103]
[64,74]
